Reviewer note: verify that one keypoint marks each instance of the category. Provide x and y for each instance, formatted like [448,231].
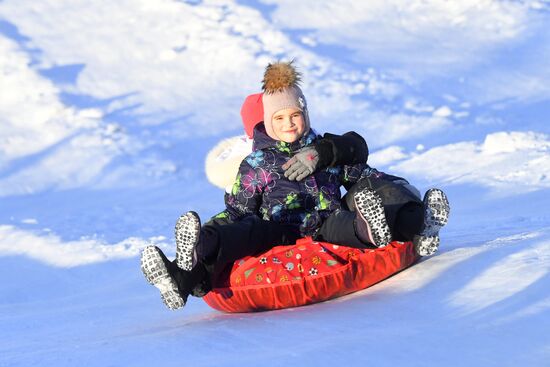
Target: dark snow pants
[404,213]
[223,241]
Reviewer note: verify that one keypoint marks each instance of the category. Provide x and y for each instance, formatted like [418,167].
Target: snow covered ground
[107,112]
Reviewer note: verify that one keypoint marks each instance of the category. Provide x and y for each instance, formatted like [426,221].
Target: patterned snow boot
[436,215]
[163,274]
[371,226]
[187,233]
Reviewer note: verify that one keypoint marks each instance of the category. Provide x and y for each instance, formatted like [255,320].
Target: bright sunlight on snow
[108,111]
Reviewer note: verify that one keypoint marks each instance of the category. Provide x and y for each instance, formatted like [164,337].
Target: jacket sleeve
[245,197]
[350,174]
[336,150]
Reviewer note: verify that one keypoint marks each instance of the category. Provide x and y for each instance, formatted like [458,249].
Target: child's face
[289,124]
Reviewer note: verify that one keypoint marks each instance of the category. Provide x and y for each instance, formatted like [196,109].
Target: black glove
[347,149]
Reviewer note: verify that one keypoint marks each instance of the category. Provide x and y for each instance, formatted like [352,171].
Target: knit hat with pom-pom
[281,91]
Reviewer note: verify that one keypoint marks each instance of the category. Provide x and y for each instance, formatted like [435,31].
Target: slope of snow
[52,251]
[509,161]
[481,303]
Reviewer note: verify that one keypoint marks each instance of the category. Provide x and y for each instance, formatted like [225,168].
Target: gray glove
[303,164]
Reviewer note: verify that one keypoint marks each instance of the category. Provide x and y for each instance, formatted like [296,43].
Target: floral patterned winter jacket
[262,189]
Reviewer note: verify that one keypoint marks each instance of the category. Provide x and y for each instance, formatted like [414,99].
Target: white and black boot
[436,216]
[187,233]
[373,220]
[157,270]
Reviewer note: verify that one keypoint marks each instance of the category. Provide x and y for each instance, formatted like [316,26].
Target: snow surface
[108,111]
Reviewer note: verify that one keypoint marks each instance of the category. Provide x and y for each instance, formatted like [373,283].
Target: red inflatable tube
[307,272]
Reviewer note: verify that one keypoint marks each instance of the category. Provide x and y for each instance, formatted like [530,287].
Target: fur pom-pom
[280,75]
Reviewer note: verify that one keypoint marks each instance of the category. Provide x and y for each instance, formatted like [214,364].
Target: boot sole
[156,273]
[187,233]
[426,246]
[437,212]
[369,206]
